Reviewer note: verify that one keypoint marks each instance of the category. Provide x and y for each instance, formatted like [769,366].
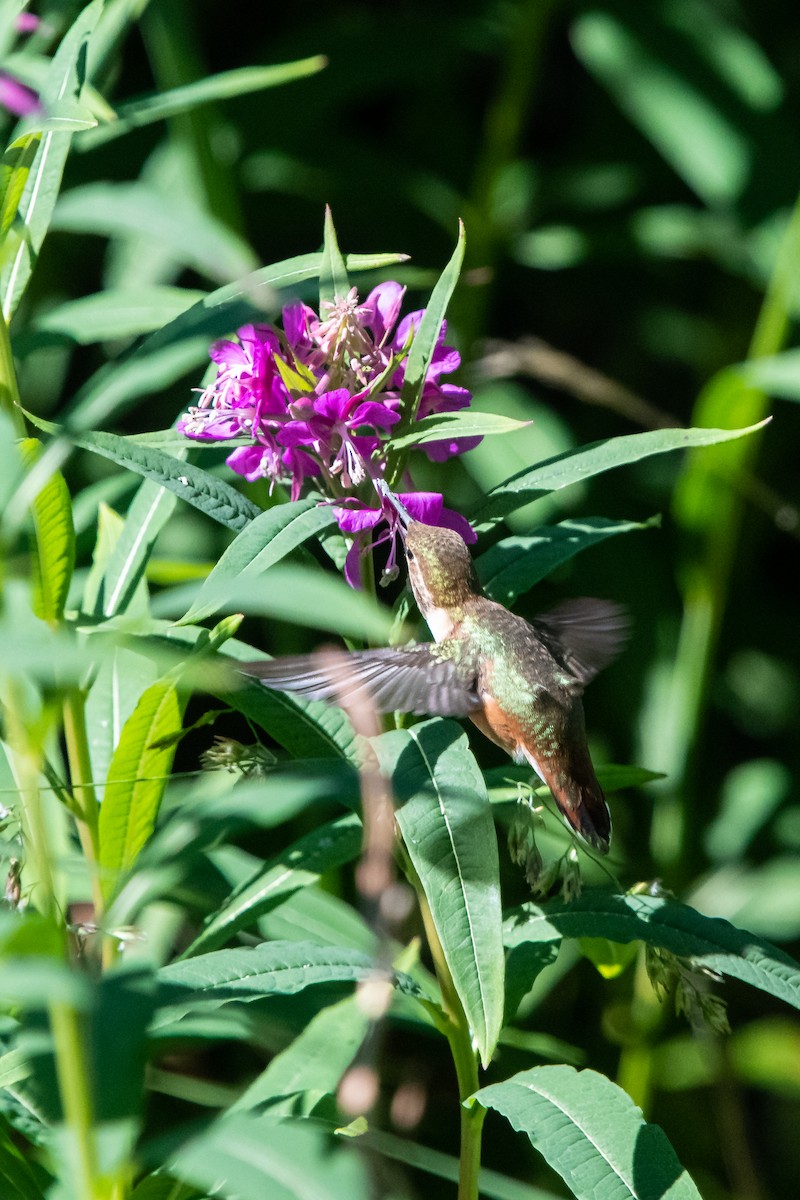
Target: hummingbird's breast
[525,693]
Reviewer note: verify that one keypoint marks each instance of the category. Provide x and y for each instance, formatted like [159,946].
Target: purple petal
[250,461]
[428,508]
[453,520]
[352,565]
[295,433]
[439,451]
[17,98]
[353,520]
[373,413]
[333,405]
[296,319]
[382,308]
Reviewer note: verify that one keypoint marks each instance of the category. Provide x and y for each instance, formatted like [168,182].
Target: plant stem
[709,505]
[69,1034]
[9,392]
[465,1059]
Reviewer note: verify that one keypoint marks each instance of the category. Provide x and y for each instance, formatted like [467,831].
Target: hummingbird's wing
[584,634]
[415,679]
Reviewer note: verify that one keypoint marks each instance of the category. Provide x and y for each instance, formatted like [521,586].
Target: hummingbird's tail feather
[579,797]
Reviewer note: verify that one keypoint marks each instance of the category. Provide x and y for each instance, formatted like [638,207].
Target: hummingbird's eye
[409,555]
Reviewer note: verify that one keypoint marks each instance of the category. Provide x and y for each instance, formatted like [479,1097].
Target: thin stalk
[86,814]
[464,1057]
[9,392]
[709,505]
[69,1035]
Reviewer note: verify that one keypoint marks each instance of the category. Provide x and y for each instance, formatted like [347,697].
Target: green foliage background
[627,175]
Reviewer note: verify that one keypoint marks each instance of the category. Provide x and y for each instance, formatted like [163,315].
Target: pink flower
[17,97]
[358,518]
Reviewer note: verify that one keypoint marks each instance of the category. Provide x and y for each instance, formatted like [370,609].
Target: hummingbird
[520,682]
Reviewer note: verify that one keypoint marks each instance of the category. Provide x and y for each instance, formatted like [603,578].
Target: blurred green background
[627,173]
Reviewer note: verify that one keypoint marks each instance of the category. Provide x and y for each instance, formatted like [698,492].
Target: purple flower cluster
[318,397]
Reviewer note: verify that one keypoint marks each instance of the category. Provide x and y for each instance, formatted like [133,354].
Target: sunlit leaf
[314,1062]
[594,459]
[161,105]
[513,565]
[446,426]
[591,1133]
[55,539]
[300,864]
[137,777]
[262,543]
[445,818]
[222,977]
[709,941]
[35,207]
[116,313]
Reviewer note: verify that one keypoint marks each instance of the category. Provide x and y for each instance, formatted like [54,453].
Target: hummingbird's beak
[387,496]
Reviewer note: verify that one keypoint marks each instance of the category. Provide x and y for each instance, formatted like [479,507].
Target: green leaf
[14,170]
[182,344]
[262,543]
[195,239]
[709,941]
[446,426]
[591,1133]
[513,565]
[333,281]
[253,1158]
[660,81]
[421,353]
[219,808]
[324,848]
[149,511]
[306,728]
[303,595]
[197,487]
[116,313]
[577,465]
[314,1062]
[64,81]
[18,1179]
[137,778]
[158,106]
[210,981]
[445,818]
[55,538]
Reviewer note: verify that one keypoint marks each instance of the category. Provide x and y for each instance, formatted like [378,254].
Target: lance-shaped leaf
[262,543]
[35,208]
[515,564]
[576,465]
[333,281]
[258,1158]
[159,106]
[421,354]
[211,981]
[445,817]
[328,846]
[55,539]
[14,170]
[446,426]
[136,781]
[592,1134]
[116,313]
[314,1062]
[172,350]
[709,941]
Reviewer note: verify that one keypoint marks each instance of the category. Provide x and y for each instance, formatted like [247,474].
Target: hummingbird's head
[440,569]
